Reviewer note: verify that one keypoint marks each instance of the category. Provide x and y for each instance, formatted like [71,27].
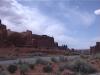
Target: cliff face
[95,49]
[3,35]
[13,44]
[10,38]
[3,32]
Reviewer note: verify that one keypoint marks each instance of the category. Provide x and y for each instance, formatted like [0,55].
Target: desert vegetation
[56,66]
[12,68]
[47,69]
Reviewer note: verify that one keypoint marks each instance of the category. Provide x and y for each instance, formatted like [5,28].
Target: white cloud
[97,12]
[20,18]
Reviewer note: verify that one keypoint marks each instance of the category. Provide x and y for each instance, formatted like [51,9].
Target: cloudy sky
[72,22]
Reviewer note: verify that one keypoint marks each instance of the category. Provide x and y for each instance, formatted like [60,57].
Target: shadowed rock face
[96,48]
[16,39]
[3,35]
[25,39]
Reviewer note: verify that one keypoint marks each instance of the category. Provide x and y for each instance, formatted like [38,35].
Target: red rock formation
[26,39]
[95,49]
[43,41]
[3,35]
[24,43]
[3,32]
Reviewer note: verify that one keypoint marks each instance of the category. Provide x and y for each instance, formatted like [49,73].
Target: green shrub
[31,66]
[54,59]
[20,62]
[61,68]
[3,73]
[68,66]
[83,67]
[47,69]
[23,68]
[62,59]
[12,68]
[1,68]
[41,61]
[97,56]
[84,56]
[80,66]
